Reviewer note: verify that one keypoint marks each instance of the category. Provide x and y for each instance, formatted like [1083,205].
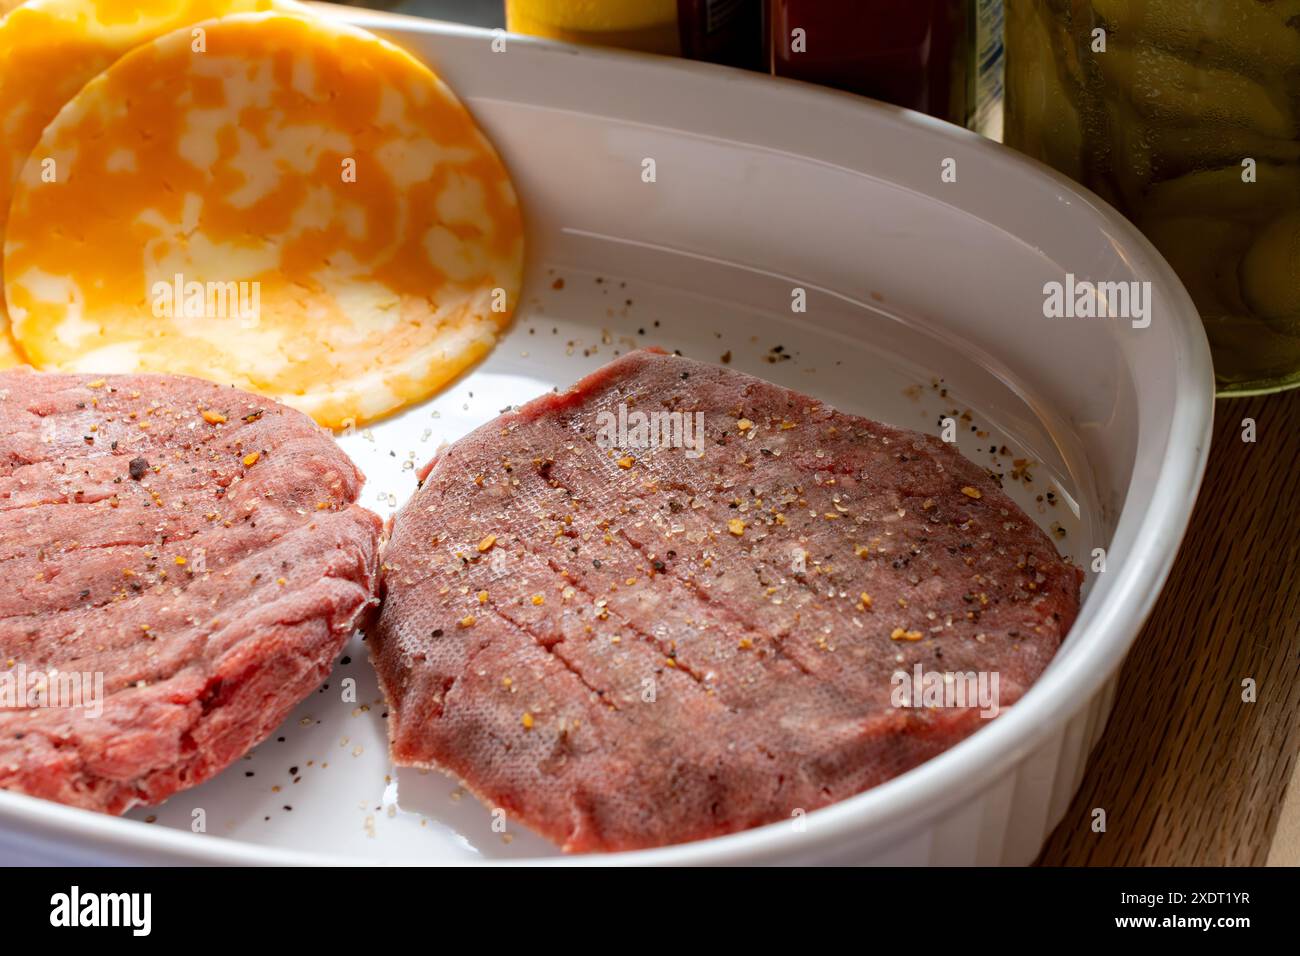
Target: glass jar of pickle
[1184,115]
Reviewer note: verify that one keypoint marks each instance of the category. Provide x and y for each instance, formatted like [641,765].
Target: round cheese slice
[50,49]
[292,206]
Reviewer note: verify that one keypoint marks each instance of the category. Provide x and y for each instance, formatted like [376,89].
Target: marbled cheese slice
[50,49]
[316,175]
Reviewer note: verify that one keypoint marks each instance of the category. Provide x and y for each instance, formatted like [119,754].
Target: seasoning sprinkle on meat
[199,659]
[720,655]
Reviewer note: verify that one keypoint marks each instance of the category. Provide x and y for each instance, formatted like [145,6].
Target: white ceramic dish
[761,187]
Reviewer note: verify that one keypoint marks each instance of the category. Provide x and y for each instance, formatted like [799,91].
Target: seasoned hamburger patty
[195,548]
[625,646]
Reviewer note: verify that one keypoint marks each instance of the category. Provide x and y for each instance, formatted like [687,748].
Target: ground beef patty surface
[196,548]
[627,647]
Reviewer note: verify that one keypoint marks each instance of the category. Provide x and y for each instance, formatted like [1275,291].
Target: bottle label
[717,13]
[986,106]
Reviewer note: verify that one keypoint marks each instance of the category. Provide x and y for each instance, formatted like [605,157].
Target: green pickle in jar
[1184,115]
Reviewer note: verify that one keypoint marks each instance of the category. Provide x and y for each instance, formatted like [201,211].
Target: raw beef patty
[625,647]
[195,548]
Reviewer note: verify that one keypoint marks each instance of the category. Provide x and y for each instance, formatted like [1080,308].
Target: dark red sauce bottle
[942,57]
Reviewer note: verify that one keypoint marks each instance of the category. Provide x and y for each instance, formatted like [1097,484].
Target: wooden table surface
[1187,772]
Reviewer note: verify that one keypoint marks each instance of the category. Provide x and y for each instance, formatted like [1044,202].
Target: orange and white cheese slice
[288,205]
[50,49]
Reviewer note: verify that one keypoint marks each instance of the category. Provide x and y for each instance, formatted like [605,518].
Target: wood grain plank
[1187,772]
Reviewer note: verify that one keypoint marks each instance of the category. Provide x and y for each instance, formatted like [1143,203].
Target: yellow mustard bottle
[732,32]
[649,25]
